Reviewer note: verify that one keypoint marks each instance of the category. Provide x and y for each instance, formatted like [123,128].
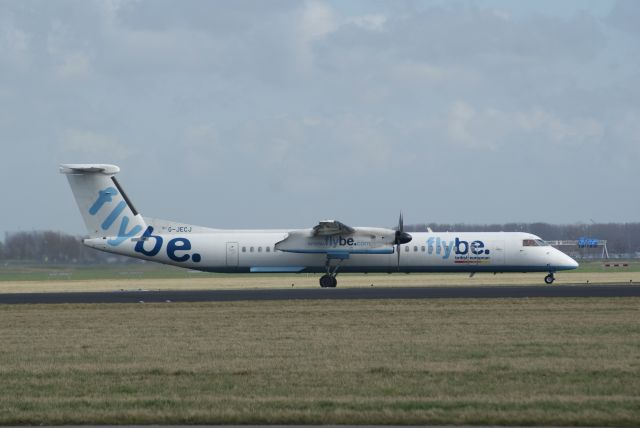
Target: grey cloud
[446,35]
[321,109]
[217,16]
[448,52]
[625,16]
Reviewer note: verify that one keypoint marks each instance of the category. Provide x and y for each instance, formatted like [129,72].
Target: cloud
[93,147]
[291,101]
[203,150]
[15,45]
[491,128]
[622,140]
[576,131]
[625,16]
[65,52]
[370,22]
[315,22]
[74,65]
[455,35]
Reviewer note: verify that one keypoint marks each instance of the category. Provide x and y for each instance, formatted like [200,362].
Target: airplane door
[497,252]
[232,254]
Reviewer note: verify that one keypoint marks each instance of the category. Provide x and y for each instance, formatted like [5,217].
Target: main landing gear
[549,278]
[329,279]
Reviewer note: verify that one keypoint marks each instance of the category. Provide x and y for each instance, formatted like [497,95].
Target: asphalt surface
[158,296]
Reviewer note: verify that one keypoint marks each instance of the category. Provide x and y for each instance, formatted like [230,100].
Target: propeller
[402,237]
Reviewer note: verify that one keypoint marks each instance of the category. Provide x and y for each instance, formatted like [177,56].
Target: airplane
[330,247]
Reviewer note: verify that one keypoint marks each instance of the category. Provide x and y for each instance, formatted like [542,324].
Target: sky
[277,114]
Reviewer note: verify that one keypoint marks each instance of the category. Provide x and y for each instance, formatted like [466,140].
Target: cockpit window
[534,243]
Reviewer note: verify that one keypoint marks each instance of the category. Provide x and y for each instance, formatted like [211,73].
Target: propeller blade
[402,237]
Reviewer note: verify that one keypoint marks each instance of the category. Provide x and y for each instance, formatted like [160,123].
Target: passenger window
[259,249]
[251,250]
[268,249]
[406,249]
[244,249]
[415,248]
[423,249]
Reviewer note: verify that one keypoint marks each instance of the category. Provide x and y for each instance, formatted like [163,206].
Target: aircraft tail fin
[105,208]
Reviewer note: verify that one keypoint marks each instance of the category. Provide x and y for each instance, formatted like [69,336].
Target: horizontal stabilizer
[85,168]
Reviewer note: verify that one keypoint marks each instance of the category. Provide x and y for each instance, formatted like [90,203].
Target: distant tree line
[52,247]
[57,247]
[622,238]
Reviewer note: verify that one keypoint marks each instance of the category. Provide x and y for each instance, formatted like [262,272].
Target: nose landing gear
[549,278]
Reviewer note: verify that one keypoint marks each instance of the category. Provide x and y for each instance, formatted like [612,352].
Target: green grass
[150,270]
[52,272]
[598,266]
[518,362]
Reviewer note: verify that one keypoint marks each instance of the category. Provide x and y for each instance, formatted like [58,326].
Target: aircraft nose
[566,262]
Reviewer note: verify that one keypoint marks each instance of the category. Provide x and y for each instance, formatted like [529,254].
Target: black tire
[334,281]
[549,279]
[325,281]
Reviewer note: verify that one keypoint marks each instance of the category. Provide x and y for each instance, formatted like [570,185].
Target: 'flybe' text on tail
[105,208]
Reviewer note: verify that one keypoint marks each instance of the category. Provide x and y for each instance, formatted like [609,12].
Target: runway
[458,292]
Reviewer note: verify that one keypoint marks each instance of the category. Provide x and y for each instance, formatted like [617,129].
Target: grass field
[43,278]
[520,362]
[45,271]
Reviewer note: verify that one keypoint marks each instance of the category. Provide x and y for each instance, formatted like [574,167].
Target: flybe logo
[177,248]
[106,196]
[456,246]
[339,241]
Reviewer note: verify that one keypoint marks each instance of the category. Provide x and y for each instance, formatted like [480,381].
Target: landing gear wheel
[325,281]
[549,279]
[328,281]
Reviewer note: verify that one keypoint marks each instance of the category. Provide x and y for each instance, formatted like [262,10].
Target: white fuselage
[254,251]
[114,225]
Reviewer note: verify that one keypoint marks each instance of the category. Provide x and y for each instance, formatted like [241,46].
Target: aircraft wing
[331,227]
